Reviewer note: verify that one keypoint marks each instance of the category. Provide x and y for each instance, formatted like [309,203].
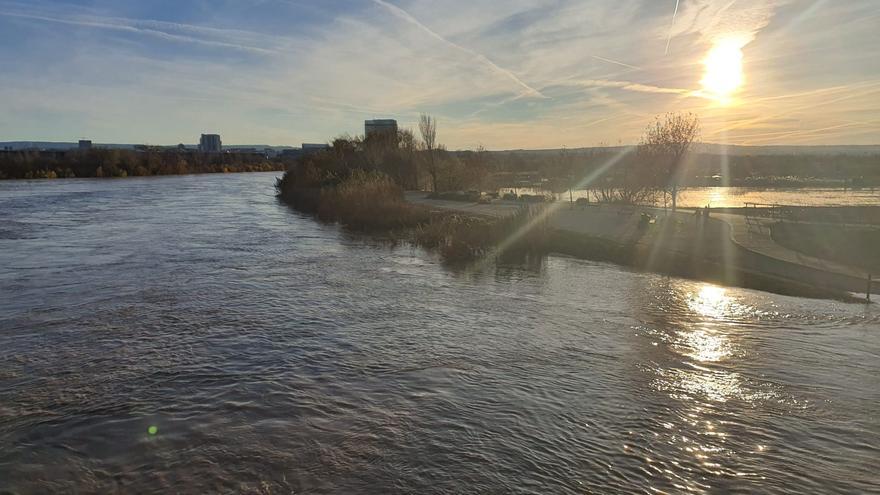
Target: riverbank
[723,248]
[99,163]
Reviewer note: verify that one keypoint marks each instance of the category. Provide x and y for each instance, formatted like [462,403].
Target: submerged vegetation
[372,202]
[369,201]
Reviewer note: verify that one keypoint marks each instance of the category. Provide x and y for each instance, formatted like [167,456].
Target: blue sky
[512,74]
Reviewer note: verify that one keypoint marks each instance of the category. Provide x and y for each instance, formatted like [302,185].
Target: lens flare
[724,69]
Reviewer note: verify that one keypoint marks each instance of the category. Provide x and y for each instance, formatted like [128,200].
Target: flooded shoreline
[737,197]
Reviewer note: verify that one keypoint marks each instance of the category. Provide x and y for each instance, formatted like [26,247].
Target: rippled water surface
[274,354]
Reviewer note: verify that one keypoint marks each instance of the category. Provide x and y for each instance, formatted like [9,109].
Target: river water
[192,334]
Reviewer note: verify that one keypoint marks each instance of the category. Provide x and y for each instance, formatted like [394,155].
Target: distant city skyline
[516,75]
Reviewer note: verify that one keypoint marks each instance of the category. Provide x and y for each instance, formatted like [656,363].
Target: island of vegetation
[360,182]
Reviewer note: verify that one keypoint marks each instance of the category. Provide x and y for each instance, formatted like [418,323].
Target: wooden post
[868,291]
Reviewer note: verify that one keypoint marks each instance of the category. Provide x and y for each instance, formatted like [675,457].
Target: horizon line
[615,146]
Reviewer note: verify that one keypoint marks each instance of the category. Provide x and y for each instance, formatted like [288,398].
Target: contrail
[402,14]
[848,95]
[804,14]
[630,86]
[669,39]
[118,24]
[615,62]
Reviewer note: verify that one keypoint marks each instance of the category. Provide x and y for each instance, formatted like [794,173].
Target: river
[192,334]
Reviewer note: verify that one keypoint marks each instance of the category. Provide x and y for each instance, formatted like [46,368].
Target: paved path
[620,224]
[613,223]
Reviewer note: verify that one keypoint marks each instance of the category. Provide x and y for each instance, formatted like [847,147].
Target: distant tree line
[652,171]
[655,167]
[744,170]
[127,163]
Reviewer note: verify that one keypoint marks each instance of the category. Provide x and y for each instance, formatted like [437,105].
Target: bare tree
[665,143]
[561,169]
[407,169]
[428,130]
[567,167]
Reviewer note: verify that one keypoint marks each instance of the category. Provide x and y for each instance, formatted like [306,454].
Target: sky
[505,74]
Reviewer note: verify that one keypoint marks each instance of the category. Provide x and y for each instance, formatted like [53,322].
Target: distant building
[210,143]
[313,147]
[380,126]
[85,144]
[307,149]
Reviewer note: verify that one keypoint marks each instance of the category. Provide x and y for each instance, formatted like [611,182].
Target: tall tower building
[210,143]
[380,126]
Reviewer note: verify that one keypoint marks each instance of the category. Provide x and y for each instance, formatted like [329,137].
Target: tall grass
[373,202]
[462,238]
[369,201]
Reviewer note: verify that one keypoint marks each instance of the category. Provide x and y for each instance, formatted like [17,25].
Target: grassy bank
[857,246]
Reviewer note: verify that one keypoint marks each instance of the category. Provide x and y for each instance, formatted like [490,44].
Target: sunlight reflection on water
[733,197]
[705,334]
[711,302]
[704,345]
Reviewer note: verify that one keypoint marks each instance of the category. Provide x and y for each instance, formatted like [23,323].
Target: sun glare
[724,73]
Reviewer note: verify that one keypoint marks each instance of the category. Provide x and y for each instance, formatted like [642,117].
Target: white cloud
[479,65]
[525,89]
[162,30]
[713,19]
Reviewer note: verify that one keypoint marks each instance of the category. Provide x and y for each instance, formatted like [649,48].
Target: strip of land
[733,248]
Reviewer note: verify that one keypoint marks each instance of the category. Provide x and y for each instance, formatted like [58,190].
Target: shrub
[369,201]
[462,238]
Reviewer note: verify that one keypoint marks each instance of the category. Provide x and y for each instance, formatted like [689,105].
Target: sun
[724,69]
